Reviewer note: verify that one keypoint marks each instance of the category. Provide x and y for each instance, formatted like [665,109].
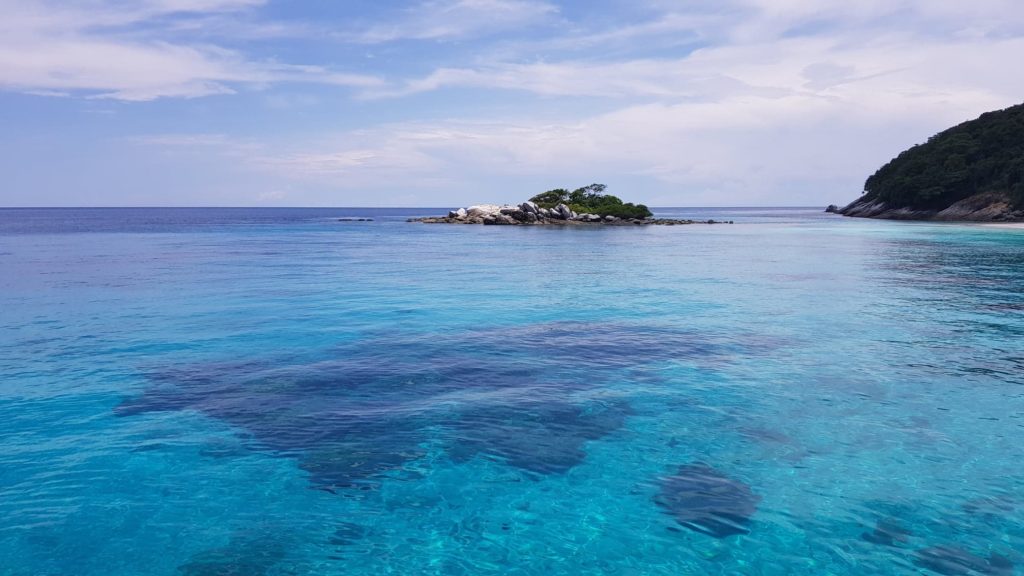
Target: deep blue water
[268,392]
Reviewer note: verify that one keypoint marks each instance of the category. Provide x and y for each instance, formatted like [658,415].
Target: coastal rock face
[984,207]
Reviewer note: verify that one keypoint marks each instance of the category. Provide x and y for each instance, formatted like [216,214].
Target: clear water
[266,392]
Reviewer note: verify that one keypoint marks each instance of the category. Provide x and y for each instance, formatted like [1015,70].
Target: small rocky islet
[529,213]
[586,205]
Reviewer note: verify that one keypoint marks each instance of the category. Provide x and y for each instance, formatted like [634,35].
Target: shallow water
[267,392]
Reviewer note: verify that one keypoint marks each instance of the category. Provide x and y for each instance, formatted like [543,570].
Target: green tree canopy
[551,198]
[591,200]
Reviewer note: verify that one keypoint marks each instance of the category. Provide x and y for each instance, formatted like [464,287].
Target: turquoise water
[267,392]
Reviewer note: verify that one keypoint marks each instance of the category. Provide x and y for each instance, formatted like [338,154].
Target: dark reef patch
[766,435]
[992,506]
[531,396]
[887,532]
[348,533]
[544,438]
[242,556]
[956,561]
[706,501]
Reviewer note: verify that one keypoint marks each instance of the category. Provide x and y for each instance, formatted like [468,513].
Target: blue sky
[451,102]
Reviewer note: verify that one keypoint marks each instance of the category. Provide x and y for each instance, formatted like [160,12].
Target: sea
[264,392]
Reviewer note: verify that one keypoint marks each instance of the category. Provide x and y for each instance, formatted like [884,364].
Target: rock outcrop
[528,213]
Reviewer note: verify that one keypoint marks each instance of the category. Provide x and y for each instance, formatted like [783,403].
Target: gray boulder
[610,218]
[528,207]
[565,212]
[498,220]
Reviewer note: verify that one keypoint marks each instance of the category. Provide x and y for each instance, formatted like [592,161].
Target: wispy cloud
[454,19]
[71,48]
[184,140]
[811,116]
[828,67]
[739,101]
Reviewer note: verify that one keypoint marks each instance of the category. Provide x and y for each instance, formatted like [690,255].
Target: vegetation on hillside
[591,200]
[982,155]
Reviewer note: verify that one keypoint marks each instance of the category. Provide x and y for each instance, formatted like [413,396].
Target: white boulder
[483,210]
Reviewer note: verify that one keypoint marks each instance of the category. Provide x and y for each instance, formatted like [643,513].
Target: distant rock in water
[971,172]
[706,501]
[955,561]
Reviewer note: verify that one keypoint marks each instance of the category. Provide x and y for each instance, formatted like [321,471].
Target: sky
[454,102]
